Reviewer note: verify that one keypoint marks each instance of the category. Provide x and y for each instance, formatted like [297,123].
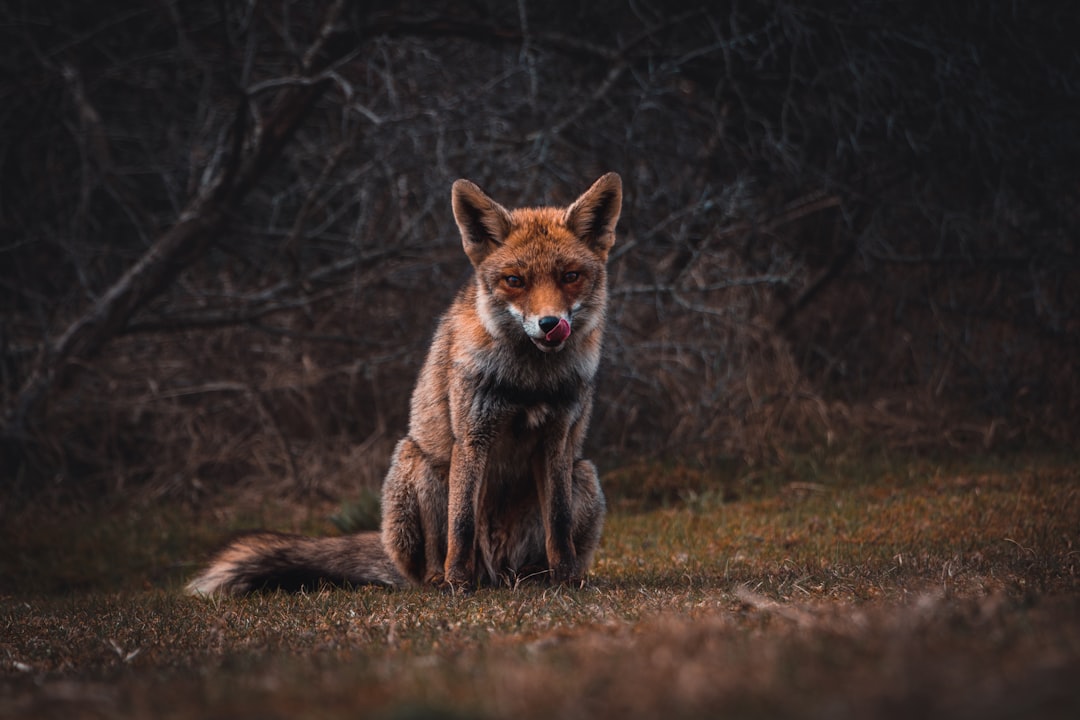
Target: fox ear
[593,216]
[484,223]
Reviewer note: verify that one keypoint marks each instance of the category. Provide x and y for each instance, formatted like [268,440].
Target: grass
[842,590]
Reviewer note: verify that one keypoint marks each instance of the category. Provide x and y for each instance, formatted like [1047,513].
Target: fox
[488,487]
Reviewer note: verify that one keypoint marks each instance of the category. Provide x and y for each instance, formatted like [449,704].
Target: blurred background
[226,234]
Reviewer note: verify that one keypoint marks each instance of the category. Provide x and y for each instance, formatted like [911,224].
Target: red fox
[489,486]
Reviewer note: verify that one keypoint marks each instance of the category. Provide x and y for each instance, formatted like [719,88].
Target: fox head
[540,271]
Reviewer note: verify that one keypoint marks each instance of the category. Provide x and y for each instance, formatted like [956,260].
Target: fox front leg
[553,476]
[467,462]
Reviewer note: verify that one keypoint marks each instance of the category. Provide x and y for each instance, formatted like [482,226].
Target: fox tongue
[558,333]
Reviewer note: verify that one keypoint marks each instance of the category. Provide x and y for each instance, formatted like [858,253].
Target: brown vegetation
[227,230]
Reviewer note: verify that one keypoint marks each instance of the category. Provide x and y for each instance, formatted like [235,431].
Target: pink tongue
[558,333]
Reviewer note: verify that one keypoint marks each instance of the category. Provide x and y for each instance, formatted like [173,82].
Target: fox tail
[269,560]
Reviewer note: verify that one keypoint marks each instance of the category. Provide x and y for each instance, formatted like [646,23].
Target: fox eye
[514,281]
[570,277]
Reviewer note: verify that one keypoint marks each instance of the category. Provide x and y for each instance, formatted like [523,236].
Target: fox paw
[568,575]
[457,581]
[457,588]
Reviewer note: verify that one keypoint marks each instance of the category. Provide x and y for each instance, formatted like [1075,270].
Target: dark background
[225,228]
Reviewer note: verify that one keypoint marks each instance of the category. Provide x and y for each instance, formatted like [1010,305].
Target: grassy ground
[872,590]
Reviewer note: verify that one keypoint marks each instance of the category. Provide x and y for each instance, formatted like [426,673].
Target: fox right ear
[593,216]
[484,223]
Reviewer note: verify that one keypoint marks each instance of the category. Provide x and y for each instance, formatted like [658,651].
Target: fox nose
[548,323]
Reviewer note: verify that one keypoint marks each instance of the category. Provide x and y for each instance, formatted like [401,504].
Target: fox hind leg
[414,505]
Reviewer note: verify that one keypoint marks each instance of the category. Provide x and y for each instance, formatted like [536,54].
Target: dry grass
[890,590]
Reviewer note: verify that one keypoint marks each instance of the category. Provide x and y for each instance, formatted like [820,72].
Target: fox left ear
[593,216]
[484,223]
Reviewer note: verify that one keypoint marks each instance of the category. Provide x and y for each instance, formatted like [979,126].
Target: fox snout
[548,332]
[554,329]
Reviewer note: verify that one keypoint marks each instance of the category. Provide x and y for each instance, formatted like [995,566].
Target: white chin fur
[542,344]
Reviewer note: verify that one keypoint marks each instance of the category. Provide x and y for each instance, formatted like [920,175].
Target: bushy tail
[268,560]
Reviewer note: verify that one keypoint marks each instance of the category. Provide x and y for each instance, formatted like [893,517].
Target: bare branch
[198,225]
